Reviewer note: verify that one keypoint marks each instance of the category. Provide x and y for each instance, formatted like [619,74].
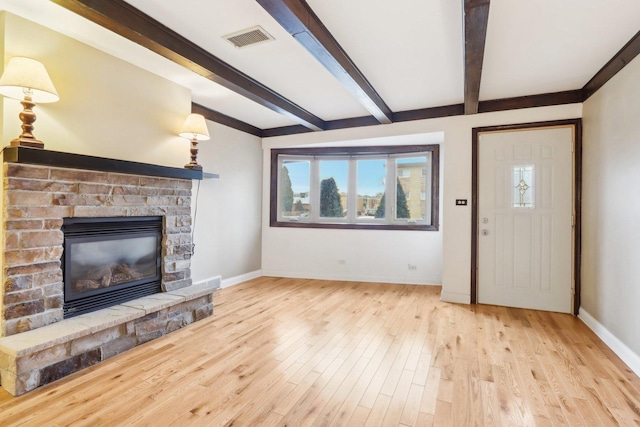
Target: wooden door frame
[577,183]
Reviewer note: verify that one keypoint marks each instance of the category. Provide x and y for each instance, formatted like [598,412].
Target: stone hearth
[37,346]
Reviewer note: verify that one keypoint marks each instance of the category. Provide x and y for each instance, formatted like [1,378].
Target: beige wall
[2,19]
[107,107]
[113,109]
[611,209]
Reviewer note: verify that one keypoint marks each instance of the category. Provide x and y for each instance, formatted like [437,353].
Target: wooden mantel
[36,156]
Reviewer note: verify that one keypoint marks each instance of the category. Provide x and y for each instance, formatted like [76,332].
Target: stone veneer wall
[37,198]
[37,345]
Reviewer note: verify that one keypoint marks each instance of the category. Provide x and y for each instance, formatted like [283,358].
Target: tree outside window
[287,191]
[402,210]
[330,204]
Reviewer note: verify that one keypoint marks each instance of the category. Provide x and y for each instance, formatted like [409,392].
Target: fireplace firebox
[108,261]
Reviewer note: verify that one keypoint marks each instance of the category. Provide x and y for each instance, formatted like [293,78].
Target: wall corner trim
[627,355]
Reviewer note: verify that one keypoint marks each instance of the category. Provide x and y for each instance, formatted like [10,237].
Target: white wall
[442,257]
[111,108]
[611,211]
[228,223]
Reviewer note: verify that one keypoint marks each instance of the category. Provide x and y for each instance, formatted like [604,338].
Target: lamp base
[27,142]
[193,164]
[27,116]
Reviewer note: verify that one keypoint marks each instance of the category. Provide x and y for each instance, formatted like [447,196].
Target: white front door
[525,206]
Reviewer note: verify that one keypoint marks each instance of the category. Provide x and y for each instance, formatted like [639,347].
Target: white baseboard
[455,298]
[352,278]
[627,355]
[231,281]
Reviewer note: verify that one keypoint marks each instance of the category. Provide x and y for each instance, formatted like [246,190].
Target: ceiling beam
[615,64]
[304,25]
[129,22]
[284,130]
[223,119]
[531,101]
[429,113]
[476,18]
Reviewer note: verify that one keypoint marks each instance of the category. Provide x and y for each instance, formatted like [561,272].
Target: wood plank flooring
[326,353]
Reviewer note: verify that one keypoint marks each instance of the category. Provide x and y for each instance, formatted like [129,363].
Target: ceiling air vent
[249,37]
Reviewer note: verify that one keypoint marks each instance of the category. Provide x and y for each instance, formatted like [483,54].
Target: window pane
[370,187]
[294,188]
[410,181]
[523,187]
[333,188]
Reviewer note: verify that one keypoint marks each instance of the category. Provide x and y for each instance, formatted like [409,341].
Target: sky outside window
[299,174]
[371,177]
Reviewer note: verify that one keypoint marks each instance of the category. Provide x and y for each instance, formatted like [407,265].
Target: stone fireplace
[48,197]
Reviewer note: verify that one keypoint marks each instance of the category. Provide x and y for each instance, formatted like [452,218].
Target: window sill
[343,226]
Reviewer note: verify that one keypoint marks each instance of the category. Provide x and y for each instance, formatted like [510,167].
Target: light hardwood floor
[307,352]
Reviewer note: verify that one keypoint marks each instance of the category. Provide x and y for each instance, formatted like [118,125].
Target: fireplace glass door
[110,260]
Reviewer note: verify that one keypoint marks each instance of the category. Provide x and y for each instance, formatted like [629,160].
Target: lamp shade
[195,127]
[26,73]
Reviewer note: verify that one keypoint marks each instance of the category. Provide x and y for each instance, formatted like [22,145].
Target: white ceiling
[545,46]
[410,51]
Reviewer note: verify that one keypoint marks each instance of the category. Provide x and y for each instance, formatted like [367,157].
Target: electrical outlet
[413,267]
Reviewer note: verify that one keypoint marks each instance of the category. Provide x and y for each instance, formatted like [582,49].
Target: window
[333,188]
[294,180]
[523,186]
[403,173]
[370,178]
[412,180]
[355,187]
